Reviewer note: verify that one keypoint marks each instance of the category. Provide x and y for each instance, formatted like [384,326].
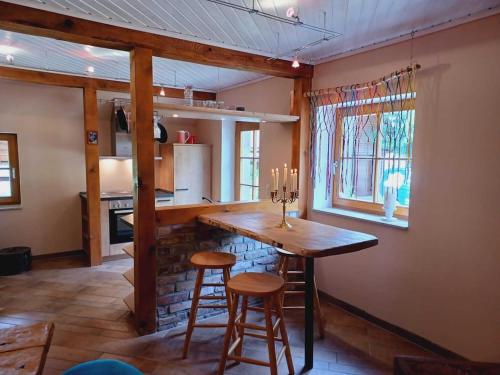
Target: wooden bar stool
[269,288]
[202,261]
[285,272]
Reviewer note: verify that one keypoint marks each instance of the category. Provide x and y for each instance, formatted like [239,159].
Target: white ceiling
[362,23]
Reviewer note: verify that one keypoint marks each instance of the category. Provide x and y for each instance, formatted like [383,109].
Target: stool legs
[195,305]
[284,336]
[194,311]
[270,336]
[270,303]
[227,337]
[241,328]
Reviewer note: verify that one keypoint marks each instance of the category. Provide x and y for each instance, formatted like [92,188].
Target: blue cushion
[103,367]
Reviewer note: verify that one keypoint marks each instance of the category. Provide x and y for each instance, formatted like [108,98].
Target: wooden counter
[305,238]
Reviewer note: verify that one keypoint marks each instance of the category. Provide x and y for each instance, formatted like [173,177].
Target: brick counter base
[176,277]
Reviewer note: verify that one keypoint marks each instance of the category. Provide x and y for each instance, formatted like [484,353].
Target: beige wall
[49,124]
[441,278]
[269,96]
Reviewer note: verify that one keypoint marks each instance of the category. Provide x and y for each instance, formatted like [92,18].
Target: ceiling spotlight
[175,115]
[10,59]
[90,69]
[290,13]
[295,63]
[162,91]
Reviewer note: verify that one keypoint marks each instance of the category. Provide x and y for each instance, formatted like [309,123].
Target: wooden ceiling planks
[33,21]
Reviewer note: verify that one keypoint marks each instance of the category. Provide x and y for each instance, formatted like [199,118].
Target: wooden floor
[92,322]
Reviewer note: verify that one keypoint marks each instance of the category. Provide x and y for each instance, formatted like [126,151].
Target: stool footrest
[295,283]
[210,325]
[210,306]
[212,297]
[294,292]
[213,284]
[252,361]
[251,326]
[293,307]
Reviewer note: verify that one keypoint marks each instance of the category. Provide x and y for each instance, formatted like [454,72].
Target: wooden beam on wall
[91,126]
[144,189]
[67,80]
[33,21]
[300,139]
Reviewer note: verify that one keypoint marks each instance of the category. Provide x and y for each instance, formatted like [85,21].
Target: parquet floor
[92,322]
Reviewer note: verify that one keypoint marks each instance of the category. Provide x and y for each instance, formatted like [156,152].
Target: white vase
[389,203]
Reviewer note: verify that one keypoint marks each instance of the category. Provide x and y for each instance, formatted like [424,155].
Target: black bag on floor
[14,260]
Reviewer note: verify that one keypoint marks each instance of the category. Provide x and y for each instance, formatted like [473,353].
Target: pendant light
[162,91]
[295,63]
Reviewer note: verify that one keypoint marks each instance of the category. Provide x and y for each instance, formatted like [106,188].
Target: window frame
[11,139]
[241,127]
[366,109]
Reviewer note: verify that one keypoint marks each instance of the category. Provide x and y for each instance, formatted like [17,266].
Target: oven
[119,232]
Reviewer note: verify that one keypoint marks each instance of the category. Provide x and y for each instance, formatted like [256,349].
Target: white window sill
[11,207]
[397,223]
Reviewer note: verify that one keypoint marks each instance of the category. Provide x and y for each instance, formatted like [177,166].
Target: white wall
[441,278]
[49,124]
[269,96]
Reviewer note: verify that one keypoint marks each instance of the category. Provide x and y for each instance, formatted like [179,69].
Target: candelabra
[284,198]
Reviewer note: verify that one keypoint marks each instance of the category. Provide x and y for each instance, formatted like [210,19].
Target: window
[247,163]
[9,170]
[373,153]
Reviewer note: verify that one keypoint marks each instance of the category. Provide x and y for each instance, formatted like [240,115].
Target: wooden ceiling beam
[38,22]
[66,80]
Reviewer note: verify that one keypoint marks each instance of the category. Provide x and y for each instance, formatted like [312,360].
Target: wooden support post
[91,125]
[141,74]
[300,139]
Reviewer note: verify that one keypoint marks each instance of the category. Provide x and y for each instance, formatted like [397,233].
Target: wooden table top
[305,238]
[24,348]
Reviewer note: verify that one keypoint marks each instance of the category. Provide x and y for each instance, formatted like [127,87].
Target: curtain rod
[365,85]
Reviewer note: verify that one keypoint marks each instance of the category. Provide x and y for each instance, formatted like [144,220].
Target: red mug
[191,140]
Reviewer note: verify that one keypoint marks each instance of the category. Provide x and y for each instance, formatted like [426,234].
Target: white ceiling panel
[360,23]
[58,56]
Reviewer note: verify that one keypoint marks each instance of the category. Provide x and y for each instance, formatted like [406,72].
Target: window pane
[395,174]
[359,135]
[257,143]
[356,179]
[247,144]
[246,171]
[245,193]
[396,134]
[5,183]
[256,173]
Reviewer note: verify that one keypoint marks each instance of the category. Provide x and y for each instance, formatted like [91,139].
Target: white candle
[277,178]
[285,170]
[296,181]
[273,180]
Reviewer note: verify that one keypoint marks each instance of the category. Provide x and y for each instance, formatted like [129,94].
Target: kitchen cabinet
[186,169]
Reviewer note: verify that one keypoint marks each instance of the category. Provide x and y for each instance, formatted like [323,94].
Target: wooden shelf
[129,275]
[205,113]
[129,301]
[129,250]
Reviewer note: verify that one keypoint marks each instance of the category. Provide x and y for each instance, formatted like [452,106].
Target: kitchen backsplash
[115,175]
